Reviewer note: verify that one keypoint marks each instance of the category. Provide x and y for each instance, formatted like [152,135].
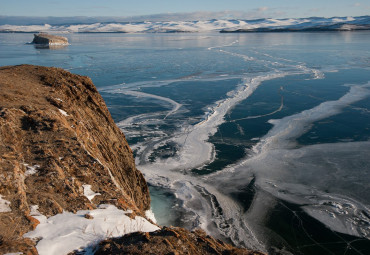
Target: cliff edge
[56,137]
[68,177]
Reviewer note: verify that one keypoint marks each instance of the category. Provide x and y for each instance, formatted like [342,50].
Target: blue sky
[232,8]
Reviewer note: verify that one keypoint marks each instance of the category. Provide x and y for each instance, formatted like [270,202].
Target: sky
[205,9]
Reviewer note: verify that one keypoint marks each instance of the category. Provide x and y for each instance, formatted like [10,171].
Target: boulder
[47,39]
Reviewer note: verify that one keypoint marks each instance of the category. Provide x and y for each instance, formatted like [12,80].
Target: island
[48,39]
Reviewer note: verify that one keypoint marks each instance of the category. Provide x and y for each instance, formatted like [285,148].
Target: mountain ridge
[214,25]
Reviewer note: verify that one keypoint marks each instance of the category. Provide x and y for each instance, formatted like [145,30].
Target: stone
[47,39]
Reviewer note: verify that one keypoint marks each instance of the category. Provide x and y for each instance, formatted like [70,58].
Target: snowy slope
[302,24]
[66,232]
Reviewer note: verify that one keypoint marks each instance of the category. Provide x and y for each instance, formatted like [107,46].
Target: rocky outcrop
[56,134]
[174,241]
[47,39]
[60,150]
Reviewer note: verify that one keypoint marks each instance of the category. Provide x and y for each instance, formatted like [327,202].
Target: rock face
[60,150]
[172,241]
[47,39]
[56,134]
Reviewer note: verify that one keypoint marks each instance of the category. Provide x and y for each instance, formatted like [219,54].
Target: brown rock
[176,241]
[34,222]
[89,216]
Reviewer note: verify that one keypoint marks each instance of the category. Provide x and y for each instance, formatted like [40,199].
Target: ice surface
[195,150]
[203,200]
[281,169]
[272,153]
[63,233]
[285,130]
[175,106]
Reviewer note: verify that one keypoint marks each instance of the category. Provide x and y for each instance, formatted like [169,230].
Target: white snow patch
[88,192]
[150,215]
[36,214]
[66,232]
[63,112]
[4,205]
[31,170]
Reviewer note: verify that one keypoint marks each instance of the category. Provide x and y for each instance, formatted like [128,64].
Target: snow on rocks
[4,205]
[150,215]
[66,232]
[36,214]
[31,169]
[88,192]
[63,112]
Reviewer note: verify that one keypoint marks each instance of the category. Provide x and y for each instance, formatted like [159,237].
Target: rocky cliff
[60,151]
[170,241]
[56,135]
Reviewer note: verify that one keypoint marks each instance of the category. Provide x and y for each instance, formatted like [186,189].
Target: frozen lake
[262,139]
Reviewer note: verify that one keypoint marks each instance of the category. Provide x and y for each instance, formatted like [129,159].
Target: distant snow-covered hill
[215,25]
